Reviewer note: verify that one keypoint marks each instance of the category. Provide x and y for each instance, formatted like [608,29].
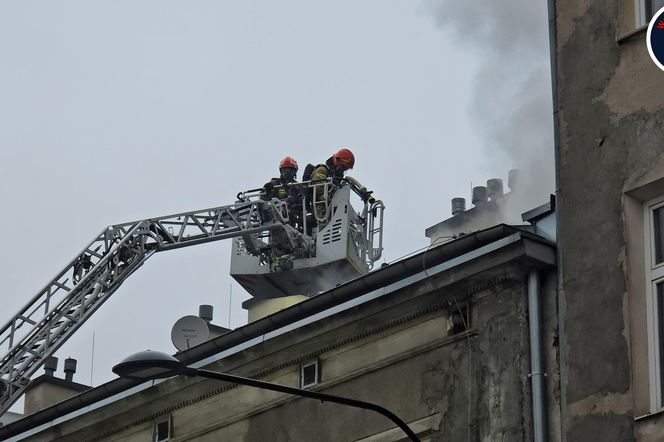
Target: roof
[488,210]
[47,379]
[378,283]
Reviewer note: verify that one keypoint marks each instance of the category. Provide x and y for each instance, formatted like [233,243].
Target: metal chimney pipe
[494,188]
[513,179]
[70,369]
[458,206]
[479,195]
[205,312]
[51,365]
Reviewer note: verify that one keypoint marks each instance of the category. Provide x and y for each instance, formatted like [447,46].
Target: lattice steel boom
[67,301]
[278,246]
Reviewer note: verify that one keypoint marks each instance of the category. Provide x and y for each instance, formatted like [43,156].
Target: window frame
[644,11]
[654,274]
[316,364]
[641,15]
[155,431]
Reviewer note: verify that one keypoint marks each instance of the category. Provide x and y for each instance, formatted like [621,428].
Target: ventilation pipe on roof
[205,312]
[494,188]
[513,179]
[51,365]
[70,369]
[458,206]
[479,195]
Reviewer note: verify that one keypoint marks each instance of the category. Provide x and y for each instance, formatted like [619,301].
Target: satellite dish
[189,331]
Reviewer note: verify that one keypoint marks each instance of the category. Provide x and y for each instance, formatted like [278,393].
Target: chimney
[70,369]
[458,206]
[50,366]
[494,188]
[479,195]
[205,312]
[260,308]
[47,389]
[493,205]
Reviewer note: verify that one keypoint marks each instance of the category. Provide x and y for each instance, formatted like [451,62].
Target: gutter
[414,268]
[349,290]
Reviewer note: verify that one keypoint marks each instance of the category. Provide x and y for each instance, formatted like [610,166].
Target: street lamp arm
[304,393]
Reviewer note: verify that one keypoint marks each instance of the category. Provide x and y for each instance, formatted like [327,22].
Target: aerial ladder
[279,248]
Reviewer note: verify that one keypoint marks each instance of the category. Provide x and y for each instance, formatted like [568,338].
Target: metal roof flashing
[381,282]
[540,211]
[46,379]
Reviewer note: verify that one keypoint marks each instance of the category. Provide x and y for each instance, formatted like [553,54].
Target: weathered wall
[47,393]
[611,112]
[393,351]
[397,371]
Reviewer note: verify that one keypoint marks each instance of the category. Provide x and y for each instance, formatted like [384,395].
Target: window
[457,320]
[644,10]
[635,16]
[640,16]
[309,374]
[162,429]
[654,239]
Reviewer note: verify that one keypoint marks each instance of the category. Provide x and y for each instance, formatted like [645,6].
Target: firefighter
[286,188]
[334,168]
[281,187]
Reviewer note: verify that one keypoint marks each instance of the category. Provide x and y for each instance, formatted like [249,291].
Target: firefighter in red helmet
[281,187]
[334,168]
[343,159]
[287,189]
[288,161]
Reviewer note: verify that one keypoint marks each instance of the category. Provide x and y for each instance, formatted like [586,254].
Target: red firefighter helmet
[344,158]
[288,162]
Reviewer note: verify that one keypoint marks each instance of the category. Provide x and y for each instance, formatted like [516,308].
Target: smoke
[511,102]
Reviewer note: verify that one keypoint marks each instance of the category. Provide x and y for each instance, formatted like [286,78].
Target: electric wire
[424,256]
[470,368]
[465,326]
[92,358]
[419,250]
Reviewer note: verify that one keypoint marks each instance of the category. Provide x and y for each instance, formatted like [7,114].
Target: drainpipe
[536,366]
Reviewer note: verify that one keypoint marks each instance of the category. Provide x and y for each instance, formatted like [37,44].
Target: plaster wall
[261,308]
[650,429]
[611,110]
[44,395]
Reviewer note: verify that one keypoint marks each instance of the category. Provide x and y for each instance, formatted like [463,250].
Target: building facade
[610,177]
[441,338]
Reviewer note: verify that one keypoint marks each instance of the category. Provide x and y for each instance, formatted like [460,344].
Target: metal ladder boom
[69,299]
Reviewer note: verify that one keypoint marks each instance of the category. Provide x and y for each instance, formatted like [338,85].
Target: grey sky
[121,110]
[511,91]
